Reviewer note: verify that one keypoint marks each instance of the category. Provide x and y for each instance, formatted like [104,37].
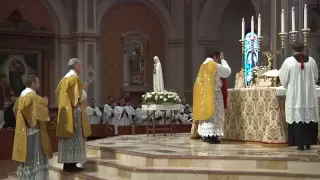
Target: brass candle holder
[242,53]
[260,38]
[294,35]
[283,36]
[306,33]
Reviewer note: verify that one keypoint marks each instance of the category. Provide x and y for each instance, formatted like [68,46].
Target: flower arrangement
[165,97]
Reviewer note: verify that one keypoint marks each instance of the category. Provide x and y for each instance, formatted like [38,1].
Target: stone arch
[160,10]
[206,27]
[58,16]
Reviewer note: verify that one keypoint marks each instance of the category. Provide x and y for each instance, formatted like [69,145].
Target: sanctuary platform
[141,157]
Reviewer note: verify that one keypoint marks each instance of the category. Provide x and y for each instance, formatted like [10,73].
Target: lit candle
[242,29]
[305,17]
[293,16]
[259,25]
[252,25]
[282,21]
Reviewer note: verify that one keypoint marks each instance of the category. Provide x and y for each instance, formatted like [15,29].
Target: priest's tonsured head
[75,64]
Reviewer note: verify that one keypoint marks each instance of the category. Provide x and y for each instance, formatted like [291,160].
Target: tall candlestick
[305,17]
[293,16]
[282,21]
[252,25]
[259,25]
[242,29]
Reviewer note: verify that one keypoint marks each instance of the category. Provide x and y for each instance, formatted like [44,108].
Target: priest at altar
[94,113]
[208,99]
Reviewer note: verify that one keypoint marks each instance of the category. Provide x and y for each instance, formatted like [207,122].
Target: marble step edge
[192,170]
[224,157]
[81,175]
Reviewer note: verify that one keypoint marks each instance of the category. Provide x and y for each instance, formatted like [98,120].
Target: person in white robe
[108,112]
[185,114]
[132,111]
[158,85]
[298,75]
[211,129]
[122,115]
[94,113]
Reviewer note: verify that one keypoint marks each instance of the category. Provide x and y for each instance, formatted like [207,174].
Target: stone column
[275,43]
[174,77]
[175,55]
[85,42]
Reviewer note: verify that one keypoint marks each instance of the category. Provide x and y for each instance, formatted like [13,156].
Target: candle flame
[292,8]
[282,10]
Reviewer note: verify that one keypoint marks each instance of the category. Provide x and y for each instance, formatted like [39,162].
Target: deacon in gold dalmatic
[31,144]
[72,123]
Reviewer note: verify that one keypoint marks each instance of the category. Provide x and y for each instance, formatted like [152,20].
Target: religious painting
[251,52]
[14,66]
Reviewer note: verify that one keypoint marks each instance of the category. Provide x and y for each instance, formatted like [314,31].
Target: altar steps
[148,158]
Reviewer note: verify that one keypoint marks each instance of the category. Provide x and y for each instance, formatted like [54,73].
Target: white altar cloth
[161,107]
[281,91]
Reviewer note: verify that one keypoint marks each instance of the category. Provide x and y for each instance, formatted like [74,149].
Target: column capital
[176,43]
[91,37]
[209,41]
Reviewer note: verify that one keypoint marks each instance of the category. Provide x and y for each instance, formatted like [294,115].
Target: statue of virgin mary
[158,85]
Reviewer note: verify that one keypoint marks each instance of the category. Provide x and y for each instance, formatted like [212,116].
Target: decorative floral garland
[165,97]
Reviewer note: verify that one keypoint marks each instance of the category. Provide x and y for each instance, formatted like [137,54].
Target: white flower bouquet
[165,97]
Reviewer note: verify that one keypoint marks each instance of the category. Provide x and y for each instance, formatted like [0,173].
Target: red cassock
[224,90]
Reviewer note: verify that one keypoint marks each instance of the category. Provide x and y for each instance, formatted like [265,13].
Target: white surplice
[301,96]
[120,118]
[108,114]
[94,115]
[133,114]
[182,116]
[215,125]
[140,115]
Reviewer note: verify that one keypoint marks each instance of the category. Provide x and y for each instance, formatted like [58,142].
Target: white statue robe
[301,96]
[120,118]
[94,115]
[108,114]
[215,125]
[158,85]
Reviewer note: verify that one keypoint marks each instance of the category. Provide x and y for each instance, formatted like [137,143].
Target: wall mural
[14,66]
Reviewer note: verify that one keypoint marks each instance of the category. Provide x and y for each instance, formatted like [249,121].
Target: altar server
[94,113]
[31,144]
[72,122]
[299,74]
[122,115]
[208,98]
[185,114]
[108,111]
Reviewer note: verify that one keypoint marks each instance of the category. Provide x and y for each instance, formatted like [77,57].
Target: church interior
[116,42]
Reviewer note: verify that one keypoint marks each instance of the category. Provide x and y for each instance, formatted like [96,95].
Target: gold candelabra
[294,35]
[282,36]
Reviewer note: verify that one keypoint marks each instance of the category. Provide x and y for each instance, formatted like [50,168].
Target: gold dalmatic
[30,110]
[69,92]
[203,95]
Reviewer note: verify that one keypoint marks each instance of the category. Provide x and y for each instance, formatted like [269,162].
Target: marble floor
[142,157]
